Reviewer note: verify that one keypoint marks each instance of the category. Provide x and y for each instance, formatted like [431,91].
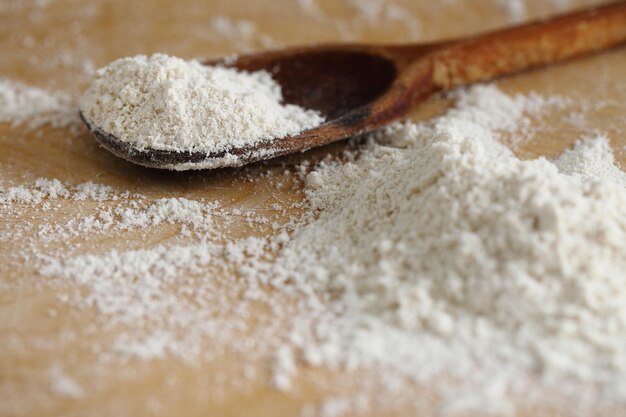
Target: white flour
[458,261]
[591,158]
[20,104]
[449,257]
[165,103]
[243,34]
[63,385]
[43,188]
[496,282]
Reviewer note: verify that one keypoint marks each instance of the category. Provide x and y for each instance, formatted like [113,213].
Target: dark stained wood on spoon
[360,88]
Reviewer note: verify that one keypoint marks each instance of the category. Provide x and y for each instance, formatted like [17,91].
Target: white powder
[194,318]
[436,255]
[591,158]
[143,289]
[165,103]
[193,216]
[448,257]
[167,299]
[64,385]
[337,407]
[20,103]
[128,301]
[244,34]
[170,210]
[363,16]
[283,368]
[10,5]
[44,188]
[519,10]
[515,9]
[237,30]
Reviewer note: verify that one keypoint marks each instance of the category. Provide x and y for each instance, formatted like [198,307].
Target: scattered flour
[515,9]
[364,15]
[10,5]
[193,216]
[142,300]
[165,103]
[374,12]
[21,104]
[167,210]
[337,407]
[284,367]
[44,188]
[591,158]
[244,34]
[239,30]
[519,10]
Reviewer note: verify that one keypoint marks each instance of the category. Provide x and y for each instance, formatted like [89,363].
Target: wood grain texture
[63,35]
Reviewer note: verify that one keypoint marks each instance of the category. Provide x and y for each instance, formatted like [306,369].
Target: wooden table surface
[55,43]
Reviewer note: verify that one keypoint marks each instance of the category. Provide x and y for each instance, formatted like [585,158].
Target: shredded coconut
[165,103]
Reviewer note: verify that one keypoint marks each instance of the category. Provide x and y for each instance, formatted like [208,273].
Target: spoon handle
[531,45]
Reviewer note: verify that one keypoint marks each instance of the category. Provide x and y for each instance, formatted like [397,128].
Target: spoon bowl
[360,88]
[324,78]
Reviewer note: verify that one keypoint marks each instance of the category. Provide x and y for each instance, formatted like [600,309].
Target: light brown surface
[68,33]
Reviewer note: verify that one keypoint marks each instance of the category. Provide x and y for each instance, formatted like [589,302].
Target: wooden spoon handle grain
[535,44]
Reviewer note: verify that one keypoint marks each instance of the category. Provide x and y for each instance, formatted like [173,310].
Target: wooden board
[54,43]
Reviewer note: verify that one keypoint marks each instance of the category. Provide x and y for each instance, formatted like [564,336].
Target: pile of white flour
[449,257]
[166,103]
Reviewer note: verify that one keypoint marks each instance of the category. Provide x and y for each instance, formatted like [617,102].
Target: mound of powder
[166,103]
[447,256]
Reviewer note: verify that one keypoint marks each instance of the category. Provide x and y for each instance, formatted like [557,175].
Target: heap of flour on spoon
[166,103]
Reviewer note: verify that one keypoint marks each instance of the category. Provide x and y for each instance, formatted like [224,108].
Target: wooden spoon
[360,88]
